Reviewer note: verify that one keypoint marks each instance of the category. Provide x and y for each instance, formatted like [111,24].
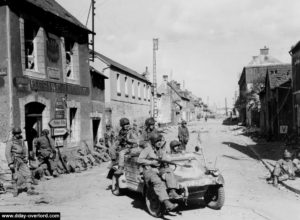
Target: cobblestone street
[248,196]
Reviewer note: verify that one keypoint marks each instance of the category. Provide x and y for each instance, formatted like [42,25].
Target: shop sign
[52,50]
[46,86]
[283,129]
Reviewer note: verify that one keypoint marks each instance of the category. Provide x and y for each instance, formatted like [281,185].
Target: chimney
[264,51]
[165,77]
[178,85]
[146,73]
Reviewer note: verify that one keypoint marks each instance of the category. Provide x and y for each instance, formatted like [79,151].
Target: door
[96,124]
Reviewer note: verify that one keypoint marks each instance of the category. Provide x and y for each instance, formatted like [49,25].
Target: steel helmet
[124,121]
[287,154]
[149,121]
[183,122]
[154,138]
[174,144]
[16,130]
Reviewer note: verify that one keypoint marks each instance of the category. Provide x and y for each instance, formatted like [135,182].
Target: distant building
[251,79]
[127,93]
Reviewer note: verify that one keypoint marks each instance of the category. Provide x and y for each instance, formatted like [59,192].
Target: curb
[268,168]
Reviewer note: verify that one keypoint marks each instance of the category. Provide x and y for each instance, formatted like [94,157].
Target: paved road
[86,195]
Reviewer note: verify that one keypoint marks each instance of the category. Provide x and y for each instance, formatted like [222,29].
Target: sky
[202,43]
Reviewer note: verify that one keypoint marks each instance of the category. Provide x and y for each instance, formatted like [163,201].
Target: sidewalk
[269,152]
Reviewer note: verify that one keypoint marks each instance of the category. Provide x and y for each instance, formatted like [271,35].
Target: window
[30,32]
[69,65]
[126,87]
[133,89]
[139,90]
[72,122]
[148,93]
[118,84]
[145,92]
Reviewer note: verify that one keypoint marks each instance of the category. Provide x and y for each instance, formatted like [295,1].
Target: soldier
[45,149]
[183,134]
[129,143]
[296,163]
[149,130]
[101,150]
[72,165]
[284,169]
[109,136]
[175,147]
[17,158]
[153,171]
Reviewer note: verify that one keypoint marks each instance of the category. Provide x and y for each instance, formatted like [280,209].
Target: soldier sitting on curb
[72,165]
[284,169]
[87,161]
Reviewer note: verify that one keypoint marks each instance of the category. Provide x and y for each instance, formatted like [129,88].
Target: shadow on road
[241,148]
[230,121]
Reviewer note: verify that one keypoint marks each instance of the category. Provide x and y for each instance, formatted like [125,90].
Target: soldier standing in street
[284,169]
[16,154]
[183,134]
[154,173]
[110,141]
[45,149]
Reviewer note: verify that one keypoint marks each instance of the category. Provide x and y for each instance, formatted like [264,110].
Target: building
[45,78]
[127,93]
[295,54]
[250,83]
[276,102]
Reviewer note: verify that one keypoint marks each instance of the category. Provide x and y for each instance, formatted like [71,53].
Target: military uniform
[183,136]
[109,137]
[284,170]
[17,156]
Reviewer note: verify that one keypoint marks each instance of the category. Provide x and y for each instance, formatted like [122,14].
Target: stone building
[45,74]
[127,93]
[252,78]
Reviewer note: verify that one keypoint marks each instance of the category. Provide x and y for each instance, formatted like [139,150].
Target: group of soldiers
[286,168]
[149,146]
[44,160]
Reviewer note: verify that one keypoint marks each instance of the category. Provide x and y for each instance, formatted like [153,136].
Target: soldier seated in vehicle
[154,172]
[175,147]
[284,169]
[129,143]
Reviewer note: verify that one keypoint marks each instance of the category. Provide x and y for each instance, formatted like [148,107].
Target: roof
[121,67]
[295,48]
[263,60]
[278,76]
[92,69]
[178,91]
[51,6]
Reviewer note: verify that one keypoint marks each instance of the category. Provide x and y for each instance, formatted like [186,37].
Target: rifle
[170,162]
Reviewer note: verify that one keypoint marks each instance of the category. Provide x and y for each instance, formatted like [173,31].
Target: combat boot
[173,194]
[169,205]
[275,181]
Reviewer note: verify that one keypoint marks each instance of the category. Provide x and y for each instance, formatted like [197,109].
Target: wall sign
[283,129]
[27,84]
[53,73]
[52,50]
[3,71]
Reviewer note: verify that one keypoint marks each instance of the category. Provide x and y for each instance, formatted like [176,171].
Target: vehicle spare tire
[215,197]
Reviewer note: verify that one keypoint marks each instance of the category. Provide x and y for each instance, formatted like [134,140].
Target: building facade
[127,93]
[45,79]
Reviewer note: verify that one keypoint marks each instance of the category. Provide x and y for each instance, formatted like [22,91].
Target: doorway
[33,122]
[96,124]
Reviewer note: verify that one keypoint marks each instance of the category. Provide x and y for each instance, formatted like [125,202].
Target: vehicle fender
[220,180]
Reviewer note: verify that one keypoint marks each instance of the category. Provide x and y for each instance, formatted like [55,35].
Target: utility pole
[92,43]
[155,48]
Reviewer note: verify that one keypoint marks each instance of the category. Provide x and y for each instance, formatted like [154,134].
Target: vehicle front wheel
[215,197]
[115,189]
[154,206]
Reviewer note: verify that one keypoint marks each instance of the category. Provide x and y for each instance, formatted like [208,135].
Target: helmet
[16,130]
[174,144]
[108,125]
[154,138]
[149,121]
[124,121]
[287,154]
[183,122]
[101,140]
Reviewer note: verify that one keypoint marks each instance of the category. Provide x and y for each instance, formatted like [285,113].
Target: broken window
[30,32]
[69,49]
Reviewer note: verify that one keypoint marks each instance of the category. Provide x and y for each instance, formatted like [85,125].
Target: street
[247,195]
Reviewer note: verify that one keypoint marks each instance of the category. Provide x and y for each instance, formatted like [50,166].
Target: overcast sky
[205,43]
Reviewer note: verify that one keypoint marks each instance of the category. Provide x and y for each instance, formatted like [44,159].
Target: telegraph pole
[155,48]
[226,111]
[92,42]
